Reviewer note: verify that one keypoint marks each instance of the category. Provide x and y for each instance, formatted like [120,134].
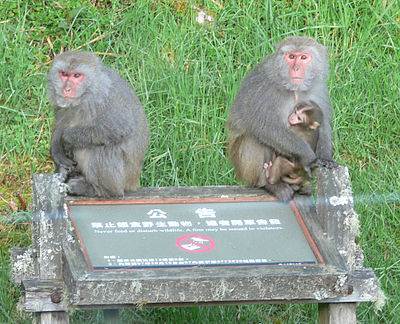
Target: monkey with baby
[304,121]
[265,148]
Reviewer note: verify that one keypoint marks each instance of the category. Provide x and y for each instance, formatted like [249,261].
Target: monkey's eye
[291,56]
[77,75]
[304,57]
[63,73]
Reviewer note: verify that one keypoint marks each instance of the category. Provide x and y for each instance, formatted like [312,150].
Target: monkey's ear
[315,125]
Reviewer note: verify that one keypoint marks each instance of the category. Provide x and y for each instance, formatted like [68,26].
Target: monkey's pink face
[297,117]
[298,62]
[70,79]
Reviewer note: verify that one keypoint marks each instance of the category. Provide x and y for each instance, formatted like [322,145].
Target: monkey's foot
[282,191]
[267,167]
[78,186]
[329,164]
[65,170]
[305,188]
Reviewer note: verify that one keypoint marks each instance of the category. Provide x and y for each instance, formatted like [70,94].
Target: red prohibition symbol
[195,243]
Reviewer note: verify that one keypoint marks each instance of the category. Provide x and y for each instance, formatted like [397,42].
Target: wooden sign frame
[56,278]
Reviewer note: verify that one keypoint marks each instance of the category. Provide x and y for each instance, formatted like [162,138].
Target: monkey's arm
[102,132]
[277,135]
[64,165]
[324,149]
[324,144]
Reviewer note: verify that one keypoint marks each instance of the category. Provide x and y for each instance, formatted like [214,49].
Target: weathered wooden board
[61,279]
[202,285]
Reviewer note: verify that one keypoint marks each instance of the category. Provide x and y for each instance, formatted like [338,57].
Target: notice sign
[192,232]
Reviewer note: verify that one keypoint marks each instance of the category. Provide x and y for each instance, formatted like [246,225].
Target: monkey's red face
[298,62]
[70,81]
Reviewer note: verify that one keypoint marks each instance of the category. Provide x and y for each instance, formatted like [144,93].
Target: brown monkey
[101,132]
[296,72]
[304,121]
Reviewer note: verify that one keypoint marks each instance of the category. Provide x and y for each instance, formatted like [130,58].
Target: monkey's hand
[64,165]
[64,171]
[320,163]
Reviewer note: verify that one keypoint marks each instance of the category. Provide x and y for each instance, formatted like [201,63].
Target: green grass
[186,76]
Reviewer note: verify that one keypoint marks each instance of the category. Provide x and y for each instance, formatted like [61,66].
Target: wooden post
[111,316]
[336,212]
[340,223]
[52,318]
[340,313]
[49,231]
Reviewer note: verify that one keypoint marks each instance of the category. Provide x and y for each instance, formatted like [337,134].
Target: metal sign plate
[163,233]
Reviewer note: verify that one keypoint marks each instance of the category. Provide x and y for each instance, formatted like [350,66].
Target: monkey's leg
[133,169]
[78,186]
[110,171]
[248,157]
[132,181]
[281,190]
[102,170]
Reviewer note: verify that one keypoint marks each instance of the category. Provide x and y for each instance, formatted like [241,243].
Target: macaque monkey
[258,118]
[304,121]
[101,133]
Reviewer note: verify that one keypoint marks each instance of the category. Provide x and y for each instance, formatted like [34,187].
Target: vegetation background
[186,73]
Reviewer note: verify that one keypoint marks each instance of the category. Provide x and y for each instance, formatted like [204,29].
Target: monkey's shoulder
[120,93]
[260,71]
[115,79]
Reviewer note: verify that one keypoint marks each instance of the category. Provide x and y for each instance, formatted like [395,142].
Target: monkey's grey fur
[100,138]
[258,118]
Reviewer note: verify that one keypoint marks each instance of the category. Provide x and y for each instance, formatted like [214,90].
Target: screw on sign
[195,243]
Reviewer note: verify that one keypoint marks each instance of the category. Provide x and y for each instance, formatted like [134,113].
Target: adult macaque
[101,132]
[258,118]
[304,121]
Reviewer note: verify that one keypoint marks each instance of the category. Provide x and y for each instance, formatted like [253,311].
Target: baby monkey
[304,121]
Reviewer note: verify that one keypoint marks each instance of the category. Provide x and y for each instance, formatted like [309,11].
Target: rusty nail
[55,297]
[350,290]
